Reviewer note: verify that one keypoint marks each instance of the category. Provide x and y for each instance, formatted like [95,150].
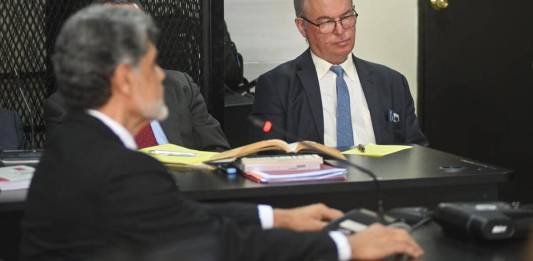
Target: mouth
[342,42]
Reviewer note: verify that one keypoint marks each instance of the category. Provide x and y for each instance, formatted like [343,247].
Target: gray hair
[299,7]
[91,44]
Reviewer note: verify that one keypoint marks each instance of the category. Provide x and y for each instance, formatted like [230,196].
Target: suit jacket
[93,199]
[11,133]
[188,124]
[289,96]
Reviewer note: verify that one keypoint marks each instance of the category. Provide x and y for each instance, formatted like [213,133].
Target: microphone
[266,126]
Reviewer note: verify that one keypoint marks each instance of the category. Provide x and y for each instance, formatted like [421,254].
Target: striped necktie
[344,117]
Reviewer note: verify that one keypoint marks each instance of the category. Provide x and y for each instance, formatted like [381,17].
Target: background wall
[265,34]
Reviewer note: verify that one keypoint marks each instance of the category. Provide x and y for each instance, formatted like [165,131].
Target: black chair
[11,133]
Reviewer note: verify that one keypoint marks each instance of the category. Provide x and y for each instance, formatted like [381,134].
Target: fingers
[308,218]
[407,244]
[331,214]
[403,247]
[327,213]
[378,242]
[401,242]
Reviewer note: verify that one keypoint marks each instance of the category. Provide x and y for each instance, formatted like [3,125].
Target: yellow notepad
[174,154]
[373,150]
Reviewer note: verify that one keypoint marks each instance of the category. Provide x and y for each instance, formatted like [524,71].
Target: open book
[278,145]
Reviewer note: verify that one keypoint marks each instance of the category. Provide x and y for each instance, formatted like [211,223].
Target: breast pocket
[395,124]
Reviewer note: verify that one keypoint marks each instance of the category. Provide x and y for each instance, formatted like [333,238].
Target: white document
[15,177]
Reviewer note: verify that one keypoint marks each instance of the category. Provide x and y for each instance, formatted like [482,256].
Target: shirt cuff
[266,216]
[344,251]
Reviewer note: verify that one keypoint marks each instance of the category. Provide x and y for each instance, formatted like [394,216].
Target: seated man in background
[11,132]
[189,124]
[94,197]
[330,96]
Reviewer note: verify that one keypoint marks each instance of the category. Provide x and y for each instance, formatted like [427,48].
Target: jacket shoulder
[375,67]
[284,70]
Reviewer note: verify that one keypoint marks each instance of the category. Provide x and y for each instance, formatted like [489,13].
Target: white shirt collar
[119,130]
[322,67]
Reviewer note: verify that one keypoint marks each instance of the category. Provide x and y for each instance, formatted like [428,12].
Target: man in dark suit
[11,133]
[330,96]
[94,197]
[189,124]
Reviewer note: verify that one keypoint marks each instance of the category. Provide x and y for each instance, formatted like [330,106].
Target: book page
[264,145]
[319,148]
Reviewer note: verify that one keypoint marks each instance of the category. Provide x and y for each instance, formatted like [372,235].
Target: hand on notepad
[308,218]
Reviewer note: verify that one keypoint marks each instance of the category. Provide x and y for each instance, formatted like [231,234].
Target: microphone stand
[31,115]
[380,208]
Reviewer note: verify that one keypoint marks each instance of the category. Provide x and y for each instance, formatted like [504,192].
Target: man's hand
[308,218]
[378,241]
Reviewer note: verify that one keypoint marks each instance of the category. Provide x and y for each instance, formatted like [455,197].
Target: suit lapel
[372,96]
[171,125]
[307,76]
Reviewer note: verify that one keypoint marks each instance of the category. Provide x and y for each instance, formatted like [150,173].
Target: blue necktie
[344,117]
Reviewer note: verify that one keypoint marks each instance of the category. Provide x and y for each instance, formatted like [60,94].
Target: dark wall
[476,80]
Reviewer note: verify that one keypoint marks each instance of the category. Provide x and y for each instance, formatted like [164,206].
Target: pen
[172,153]
[361,147]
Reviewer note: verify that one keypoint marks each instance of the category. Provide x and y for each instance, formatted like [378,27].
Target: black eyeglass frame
[335,21]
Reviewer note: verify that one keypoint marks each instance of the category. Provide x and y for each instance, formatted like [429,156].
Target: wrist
[281,218]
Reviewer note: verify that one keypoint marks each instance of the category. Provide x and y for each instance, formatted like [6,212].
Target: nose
[338,27]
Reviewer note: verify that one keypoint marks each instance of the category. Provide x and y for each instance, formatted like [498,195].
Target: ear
[122,79]
[300,24]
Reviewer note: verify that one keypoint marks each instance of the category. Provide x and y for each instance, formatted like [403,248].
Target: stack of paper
[177,155]
[281,162]
[15,177]
[326,172]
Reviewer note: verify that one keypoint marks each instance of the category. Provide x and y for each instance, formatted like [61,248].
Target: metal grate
[23,69]
[181,34]
[27,35]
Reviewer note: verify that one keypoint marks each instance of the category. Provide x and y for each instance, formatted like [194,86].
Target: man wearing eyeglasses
[330,96]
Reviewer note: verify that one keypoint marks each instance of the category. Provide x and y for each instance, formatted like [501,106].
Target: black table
[420,176]
[416,177]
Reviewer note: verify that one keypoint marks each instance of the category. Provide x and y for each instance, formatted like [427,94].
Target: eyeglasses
[327,27]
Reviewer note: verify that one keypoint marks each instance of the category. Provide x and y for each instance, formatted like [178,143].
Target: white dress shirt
[363,131]
[265,212]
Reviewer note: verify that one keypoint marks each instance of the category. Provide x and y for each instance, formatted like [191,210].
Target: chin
[162,113]
[155,111]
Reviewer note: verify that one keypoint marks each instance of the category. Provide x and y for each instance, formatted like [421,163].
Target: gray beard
[156,111]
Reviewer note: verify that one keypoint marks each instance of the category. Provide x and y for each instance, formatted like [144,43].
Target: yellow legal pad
[373,150]
[177,155]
